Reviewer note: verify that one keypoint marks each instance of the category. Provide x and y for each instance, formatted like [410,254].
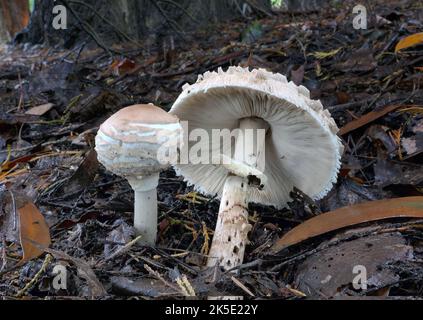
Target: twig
[159,277]
[123,34]
[169,21]
[123,249]
[15,211]
[258,8]
[342,107]
[88,29]
[242,286]
[3,253]
[21,96]
[182,8]
[177,261]
[255,263]
[34,280]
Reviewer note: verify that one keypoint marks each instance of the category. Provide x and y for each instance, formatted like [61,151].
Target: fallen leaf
[117,239]
[40,110]
[359,61]
[330,271]
[409,41]
[413,145]
[84,175]
[140,287]
[120,67]
[389,172]
[297,75]
[33,231]
[408,207]
[84,270]
[69,223]
[367,118]
[7,165]
[381,134]
[342,97]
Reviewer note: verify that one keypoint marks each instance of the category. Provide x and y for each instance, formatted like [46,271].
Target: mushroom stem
[231,233]
[232,227]
[145,207]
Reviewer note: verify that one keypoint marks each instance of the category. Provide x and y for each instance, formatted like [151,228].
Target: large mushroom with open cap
[279,139]
[138,142]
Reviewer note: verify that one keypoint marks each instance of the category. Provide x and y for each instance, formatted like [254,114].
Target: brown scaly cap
[129,141]
[127,123]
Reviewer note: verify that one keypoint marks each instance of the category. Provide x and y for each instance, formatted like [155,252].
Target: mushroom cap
[130,141]
[302,148]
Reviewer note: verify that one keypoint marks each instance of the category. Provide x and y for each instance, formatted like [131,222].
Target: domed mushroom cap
[302,148]
[129,142]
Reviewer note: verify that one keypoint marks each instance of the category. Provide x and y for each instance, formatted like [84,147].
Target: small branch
[159,277]
[4,253]
[88,29]
[120,32]
[123,249]
[169,21]
[182,8]
[34,280]
[258,8]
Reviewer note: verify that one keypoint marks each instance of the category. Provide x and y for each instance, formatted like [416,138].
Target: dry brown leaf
[409,41]
[40,110]
[367,118]
[84,271]
[120,67]
[10,164]
[34,232]
[407,207]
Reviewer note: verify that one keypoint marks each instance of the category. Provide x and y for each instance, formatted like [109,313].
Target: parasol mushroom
[294,144]
[137,142]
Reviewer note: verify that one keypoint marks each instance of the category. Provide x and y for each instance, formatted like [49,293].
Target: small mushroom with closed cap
[138,142]
[284,140]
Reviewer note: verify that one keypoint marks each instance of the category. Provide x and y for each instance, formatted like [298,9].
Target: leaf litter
[49,113]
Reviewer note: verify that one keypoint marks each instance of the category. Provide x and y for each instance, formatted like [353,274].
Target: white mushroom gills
[232,227]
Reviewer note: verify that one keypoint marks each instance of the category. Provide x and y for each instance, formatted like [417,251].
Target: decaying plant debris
[52,102]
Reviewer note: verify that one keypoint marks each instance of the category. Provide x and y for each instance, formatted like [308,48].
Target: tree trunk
[116,20]
[14,16]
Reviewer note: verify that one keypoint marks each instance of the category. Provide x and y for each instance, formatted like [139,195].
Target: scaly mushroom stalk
[232,227]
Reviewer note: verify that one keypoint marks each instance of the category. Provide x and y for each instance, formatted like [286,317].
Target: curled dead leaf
[366,119]
[407,207]
[409,41]
[34,232]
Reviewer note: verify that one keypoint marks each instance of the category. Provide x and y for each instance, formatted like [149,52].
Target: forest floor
[52,102]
